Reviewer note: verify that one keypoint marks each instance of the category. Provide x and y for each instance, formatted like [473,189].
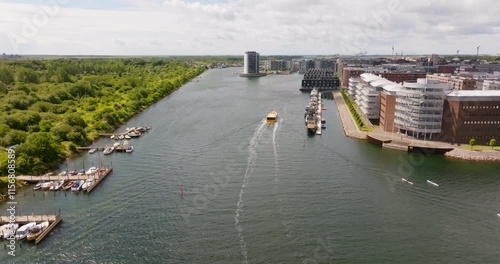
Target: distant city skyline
[276,27]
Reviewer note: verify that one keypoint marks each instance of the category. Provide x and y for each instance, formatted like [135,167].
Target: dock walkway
[54,220]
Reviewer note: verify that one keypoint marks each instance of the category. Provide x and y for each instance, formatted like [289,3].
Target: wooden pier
[99,177]
[54,220]
[28,178]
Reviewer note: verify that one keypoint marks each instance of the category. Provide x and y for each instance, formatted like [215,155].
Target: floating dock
[99,177]
[54,220]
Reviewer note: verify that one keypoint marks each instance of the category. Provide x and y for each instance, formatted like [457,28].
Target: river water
[259,193]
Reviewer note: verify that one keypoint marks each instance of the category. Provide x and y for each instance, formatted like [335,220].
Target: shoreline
[351,130]
[76,154]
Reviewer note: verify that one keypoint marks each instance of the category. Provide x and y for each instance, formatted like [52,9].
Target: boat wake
[275,150]
[252,157]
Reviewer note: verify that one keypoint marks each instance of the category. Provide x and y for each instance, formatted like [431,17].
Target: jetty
[98,177]
[53,220]
[127,131]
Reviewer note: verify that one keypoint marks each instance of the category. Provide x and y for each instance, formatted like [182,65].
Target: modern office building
[251,65]
[347,73]
[471,114]
[419,108]
[321,79]
[388,107]
[455,82]
[353,83]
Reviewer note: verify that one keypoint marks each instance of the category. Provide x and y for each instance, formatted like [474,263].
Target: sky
[231,27]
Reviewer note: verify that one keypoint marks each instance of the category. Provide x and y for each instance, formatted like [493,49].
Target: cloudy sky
[230,27]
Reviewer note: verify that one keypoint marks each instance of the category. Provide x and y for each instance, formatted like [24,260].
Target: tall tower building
[251,65]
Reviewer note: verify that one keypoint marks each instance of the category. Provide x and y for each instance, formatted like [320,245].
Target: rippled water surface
[259,193]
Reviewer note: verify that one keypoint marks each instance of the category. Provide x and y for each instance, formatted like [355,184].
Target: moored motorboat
[81,172]
[46,185]
[76,185]
[87,183]
[120,137]
[116,144]
[108,150]
[92,151]
[38,186]
[323,126]
[9,230]
[35,231]
[71,173]
[91,170]
[127,137]
[129,149]
[56,185]
[22,232]
[67,185]
[112,137]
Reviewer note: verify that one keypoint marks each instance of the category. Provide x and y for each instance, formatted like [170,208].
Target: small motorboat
[272,117]
[22,232]
[35,231]
[323,126]
[92,151]
[71,173]
[121,137]
[127,137]
[117,144]
[108,150]
[129,149]
[87,183]
[91,170]
[112,137]
[81,172]
[38,186]
[46,185]
[62,173]
[9,230]
[75,185]
[67,185]
[56,185]
[407,181]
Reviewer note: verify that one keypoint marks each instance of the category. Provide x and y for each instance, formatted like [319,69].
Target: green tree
[6,75]
[27,75]
[3,88]
[42,146]
[493,142]
[472,142]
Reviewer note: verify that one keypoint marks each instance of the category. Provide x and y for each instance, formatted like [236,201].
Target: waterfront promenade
[401,141]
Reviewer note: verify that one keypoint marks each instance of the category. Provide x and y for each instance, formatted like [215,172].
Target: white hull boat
[22,232]
[35,231]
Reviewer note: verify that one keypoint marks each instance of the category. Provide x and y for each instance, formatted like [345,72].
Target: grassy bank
[48,107]
[352,109]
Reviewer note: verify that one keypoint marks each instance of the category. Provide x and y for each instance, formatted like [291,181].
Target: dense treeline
[48,107]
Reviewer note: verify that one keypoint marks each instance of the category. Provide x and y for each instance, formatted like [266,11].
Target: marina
[96,177]
[53,221]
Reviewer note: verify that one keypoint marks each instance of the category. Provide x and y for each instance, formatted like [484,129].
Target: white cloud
[270,27]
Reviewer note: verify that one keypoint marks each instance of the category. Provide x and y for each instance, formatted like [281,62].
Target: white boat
[76,185]
[38,186]
[35,231]
[56,185]
[91,170]
[22,232]
[498,215]
[2,228]
[407,181]
[92,151]
[112,137]
[121,137]
[81,172]
[127,137]
[108,150]
[87,184]
[117,144]
[433,183]
[62,173]
[129,149]
[9,229]
[46,185]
